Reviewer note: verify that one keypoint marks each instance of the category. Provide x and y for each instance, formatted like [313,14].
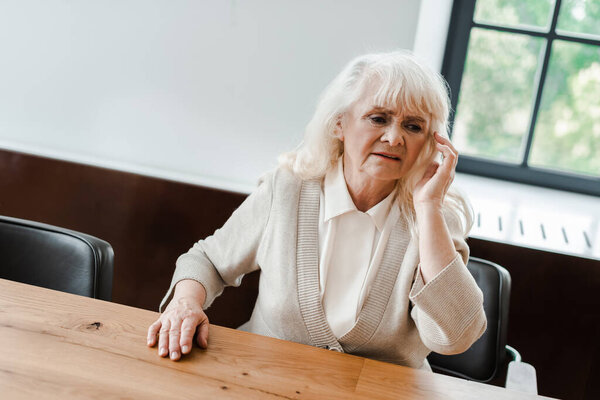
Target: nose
[393,135]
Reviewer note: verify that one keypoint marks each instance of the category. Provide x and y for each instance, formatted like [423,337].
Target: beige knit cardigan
[276,230]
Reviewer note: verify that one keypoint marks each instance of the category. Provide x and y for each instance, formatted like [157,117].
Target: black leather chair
[55,258]
[484,360]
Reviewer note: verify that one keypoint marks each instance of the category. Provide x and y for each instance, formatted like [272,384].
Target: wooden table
[60,346]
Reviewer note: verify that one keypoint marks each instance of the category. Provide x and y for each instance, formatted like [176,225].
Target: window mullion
[456,49]
[540,87]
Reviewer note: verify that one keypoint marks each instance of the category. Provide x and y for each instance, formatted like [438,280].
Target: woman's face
[380,143]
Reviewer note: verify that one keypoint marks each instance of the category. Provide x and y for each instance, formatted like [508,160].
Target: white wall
[432,31]
[206,91]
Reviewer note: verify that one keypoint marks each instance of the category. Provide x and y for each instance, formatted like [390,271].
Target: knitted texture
[276,230]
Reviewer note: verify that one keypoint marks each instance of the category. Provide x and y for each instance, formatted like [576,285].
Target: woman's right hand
[183,317]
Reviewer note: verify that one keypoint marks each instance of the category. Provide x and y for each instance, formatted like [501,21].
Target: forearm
[436,249]
[191,289]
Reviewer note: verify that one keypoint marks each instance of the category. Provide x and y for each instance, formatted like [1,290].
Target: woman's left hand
[432,188]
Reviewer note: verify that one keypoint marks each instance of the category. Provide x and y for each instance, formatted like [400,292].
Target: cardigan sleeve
[225,257]
[448,310]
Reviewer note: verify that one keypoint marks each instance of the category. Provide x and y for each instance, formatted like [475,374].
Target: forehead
[392,100]
[371,105]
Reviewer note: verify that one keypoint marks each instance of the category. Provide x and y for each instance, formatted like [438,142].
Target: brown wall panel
[554,320]
[148,221]
[554,317]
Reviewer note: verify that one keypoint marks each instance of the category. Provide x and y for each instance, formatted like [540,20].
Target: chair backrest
[55,258]
[487,355]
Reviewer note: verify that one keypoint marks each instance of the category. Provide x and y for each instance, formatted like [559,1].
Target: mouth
[387,156]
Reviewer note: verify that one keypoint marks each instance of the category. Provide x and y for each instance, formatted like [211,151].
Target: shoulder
[281,179]
[283,184]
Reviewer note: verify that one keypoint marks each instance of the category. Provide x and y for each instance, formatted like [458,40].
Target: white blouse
[351,245]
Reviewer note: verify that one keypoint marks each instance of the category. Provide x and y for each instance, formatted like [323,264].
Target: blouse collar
[337,199]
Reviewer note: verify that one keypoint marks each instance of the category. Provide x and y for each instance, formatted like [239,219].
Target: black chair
[485,358]
[55,258]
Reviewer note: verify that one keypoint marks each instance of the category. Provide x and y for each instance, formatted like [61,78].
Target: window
[525,86]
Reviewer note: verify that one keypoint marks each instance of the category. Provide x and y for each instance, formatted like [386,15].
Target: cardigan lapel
[376,302]
[307,268]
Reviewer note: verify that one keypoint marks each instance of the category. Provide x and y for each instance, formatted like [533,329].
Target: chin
[386,176]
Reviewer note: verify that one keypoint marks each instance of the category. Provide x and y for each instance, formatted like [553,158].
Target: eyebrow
[389,111]
[415,118]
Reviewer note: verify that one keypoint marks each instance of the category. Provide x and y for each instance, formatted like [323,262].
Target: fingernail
[185,349]
[163,351]
[174,355]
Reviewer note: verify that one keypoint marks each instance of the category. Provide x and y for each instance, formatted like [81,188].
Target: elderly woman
[359,242]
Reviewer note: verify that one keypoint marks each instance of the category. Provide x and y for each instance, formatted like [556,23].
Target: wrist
[428,207]
[189,288]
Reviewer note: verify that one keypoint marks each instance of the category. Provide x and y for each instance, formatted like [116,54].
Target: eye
[378,119]
[413,127]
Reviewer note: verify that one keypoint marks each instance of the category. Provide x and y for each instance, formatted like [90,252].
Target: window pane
[515,13]
[567,133]
[496,94]
[579,16]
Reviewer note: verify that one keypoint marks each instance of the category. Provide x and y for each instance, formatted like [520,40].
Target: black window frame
[461,23]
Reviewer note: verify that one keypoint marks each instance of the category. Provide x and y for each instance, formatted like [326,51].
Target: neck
[366,192]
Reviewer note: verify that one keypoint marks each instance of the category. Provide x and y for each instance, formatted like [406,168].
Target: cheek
[357,144]
[416,147]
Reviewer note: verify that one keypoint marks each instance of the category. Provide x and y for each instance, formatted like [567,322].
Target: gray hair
[403,82]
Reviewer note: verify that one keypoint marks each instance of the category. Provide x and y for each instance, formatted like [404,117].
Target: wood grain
[150,222]
[62,346]
[378,380]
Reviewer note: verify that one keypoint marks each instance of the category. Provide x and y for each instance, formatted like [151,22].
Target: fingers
[174,336]
[202,338]
[176,327]
[450,158]
[163,339]
[188,328]
[440,139]
[449,152]
[153,333]
[447,168]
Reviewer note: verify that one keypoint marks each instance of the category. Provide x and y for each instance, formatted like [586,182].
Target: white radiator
[527,216]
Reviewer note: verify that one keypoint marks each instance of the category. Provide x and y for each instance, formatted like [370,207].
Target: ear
[338,130]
